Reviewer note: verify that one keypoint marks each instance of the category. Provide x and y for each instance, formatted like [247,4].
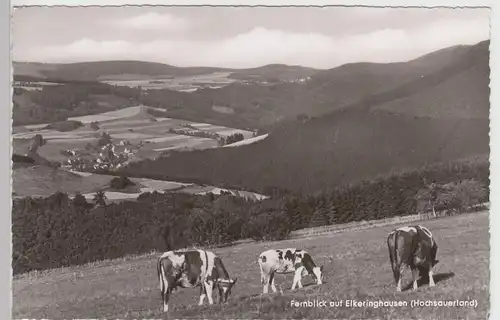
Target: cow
[192,268]
[413,247]
[290,260]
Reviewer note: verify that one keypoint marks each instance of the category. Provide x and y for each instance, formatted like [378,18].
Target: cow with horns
[284,261]
[413,247]
[188,269]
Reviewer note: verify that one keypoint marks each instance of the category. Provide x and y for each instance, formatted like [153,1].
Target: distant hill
[365,84]
[351,83]
[273,72]
[59,102]
[104,70]
[415,87]
[382,130]
[461,90]
[138,70]
[79,93]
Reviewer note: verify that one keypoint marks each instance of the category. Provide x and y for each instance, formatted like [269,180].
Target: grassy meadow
[356,266]
[181,83]
[44,181]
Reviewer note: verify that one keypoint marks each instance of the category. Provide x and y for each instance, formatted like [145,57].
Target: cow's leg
[166,297]
[265,283]
[415,274]
[208,289]
[399,276]
[203,294]
[431,278]
[296,278]
[304,273]
[166,286]
[271,281]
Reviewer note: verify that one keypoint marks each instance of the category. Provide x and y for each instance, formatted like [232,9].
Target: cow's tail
[392,244]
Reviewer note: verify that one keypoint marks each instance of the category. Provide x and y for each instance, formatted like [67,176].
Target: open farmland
[182,83]
[356,267]
[132,129]
[132,124]
[43,181]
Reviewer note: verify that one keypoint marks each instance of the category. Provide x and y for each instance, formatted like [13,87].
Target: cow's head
[318,274]
[225,286]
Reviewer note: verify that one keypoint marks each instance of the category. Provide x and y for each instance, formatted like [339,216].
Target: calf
[287,261]
[188,269]
[413,247]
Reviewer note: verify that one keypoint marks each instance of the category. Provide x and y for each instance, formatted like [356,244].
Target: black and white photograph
[250,162]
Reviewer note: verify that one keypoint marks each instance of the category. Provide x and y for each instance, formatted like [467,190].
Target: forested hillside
[448,82]
[361,139]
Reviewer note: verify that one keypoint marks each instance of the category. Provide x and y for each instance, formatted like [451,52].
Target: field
[184,83]
[356,266]
[147,139]
[43,181]
[132,124]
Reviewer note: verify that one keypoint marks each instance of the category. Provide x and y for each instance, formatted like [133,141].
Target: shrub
[461,196]
[80,201]
[104,139]
[457,196]
[94,125]
[234,138]
[64,126]
[121,182]
[100,198]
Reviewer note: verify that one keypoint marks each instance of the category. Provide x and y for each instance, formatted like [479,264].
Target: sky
[241,37]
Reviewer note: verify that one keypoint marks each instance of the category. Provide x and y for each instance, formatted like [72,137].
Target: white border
[400,3]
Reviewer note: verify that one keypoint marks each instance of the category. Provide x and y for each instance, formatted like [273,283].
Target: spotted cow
[188,269]
[413,247]
[284,261]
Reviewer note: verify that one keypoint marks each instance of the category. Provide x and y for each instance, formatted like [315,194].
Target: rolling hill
[374,135]
[103,70]
[255,105]
[137,70]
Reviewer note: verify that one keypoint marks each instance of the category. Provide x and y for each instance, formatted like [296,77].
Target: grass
[356,267]
[44,181]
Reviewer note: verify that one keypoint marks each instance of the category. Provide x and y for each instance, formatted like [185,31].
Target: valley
[305,135]
[134,135]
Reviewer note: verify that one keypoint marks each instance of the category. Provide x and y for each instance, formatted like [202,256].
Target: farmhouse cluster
[109,157]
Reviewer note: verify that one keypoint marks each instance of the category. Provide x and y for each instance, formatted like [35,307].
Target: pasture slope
[43,181]
[356,267]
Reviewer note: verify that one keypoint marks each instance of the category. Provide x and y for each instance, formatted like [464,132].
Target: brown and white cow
[192,268]
[284,261]
[413,247]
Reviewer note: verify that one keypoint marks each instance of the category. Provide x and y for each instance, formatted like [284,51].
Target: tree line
[59,231]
